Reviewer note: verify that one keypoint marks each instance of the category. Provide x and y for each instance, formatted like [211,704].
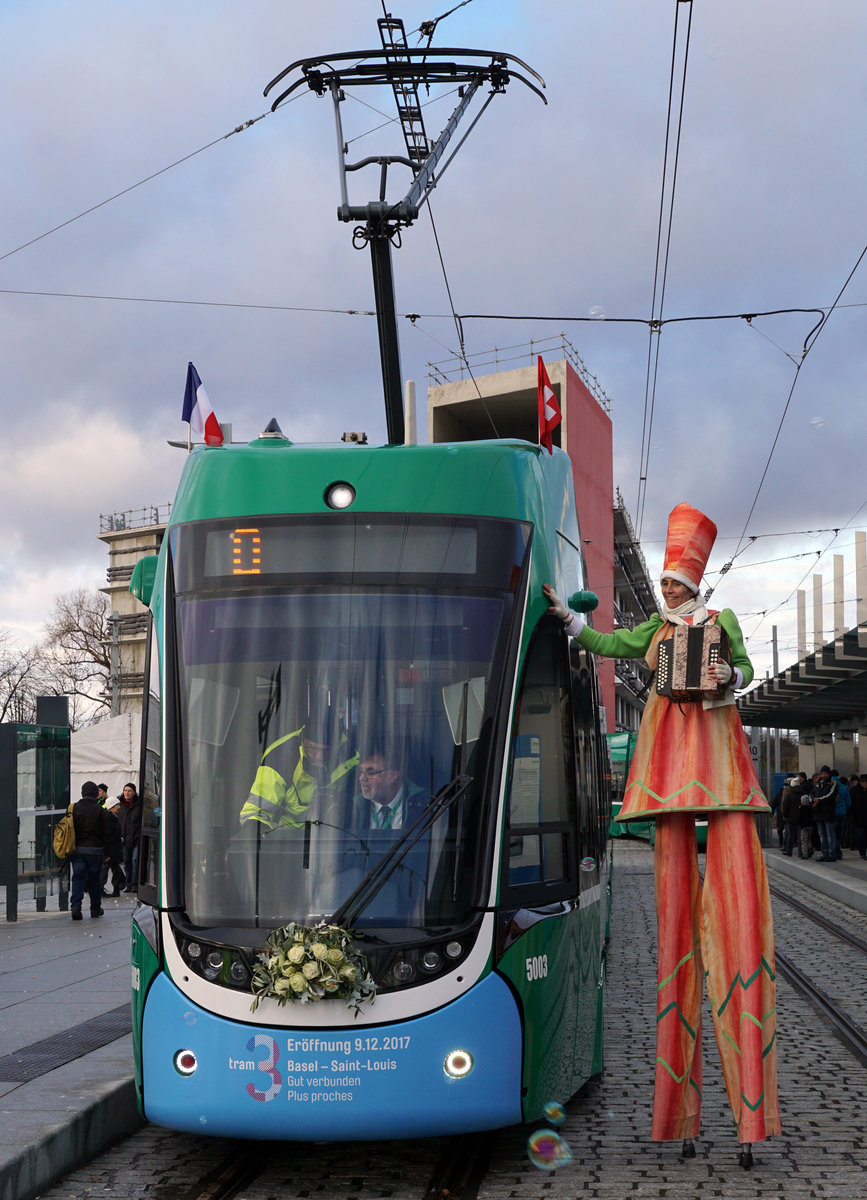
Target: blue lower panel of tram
[389,1081]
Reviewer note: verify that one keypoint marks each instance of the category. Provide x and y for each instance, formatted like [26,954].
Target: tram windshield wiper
[381,872]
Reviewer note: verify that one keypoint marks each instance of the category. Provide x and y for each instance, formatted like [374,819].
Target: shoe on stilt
[688,1148]
[745,1158]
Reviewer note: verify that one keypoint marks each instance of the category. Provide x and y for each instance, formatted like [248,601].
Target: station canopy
[826,689]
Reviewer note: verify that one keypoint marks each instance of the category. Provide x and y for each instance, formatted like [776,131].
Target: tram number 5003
[537,967]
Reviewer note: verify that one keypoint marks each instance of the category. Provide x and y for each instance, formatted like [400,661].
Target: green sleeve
[740,658]
[622,643]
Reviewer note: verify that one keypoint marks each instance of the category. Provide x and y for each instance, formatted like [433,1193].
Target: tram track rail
[849,1032]
[457,1172]
[831,926]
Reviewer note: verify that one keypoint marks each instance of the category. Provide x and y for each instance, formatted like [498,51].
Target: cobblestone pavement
[822,1152]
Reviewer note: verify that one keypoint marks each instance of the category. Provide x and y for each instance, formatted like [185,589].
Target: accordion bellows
[685,659]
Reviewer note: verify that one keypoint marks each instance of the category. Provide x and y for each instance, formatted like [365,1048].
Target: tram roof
[498,478]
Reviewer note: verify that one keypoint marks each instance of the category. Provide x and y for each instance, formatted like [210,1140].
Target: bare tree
[21,680]
[76,655]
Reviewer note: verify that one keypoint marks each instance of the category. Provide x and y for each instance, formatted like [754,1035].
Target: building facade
[128,536]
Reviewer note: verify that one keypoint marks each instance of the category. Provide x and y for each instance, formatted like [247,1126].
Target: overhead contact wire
[666,200]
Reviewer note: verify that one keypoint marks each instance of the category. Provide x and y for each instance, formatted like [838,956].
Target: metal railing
[135,518]
[501,358]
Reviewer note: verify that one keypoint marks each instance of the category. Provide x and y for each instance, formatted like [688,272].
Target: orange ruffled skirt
[690,759]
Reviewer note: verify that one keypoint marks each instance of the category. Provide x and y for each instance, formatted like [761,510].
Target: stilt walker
[691,757]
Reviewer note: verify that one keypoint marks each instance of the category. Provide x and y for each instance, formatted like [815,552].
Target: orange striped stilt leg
[737,938]
[677,1092]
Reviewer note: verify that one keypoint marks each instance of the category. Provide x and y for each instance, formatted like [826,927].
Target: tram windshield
[338,682]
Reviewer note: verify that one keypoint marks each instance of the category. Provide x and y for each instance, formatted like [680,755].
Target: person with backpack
[92,845]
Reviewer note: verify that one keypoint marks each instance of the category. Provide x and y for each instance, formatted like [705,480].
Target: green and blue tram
[398,589]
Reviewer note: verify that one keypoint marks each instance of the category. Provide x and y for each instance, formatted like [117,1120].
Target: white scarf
[694,607]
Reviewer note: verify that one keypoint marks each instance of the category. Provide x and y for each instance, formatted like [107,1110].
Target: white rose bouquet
[305,964]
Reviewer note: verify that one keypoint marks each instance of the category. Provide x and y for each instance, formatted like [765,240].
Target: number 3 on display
[537,967]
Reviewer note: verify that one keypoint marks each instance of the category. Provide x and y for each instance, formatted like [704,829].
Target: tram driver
[311,764]
[386,798]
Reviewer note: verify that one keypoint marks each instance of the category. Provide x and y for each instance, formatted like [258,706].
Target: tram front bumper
[454,1070]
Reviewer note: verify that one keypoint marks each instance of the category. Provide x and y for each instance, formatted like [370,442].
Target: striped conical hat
[690,539]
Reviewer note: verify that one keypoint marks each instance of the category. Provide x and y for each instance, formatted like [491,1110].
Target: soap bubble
[588,864]
[190,1018]
[817,422]
[547,1150]
[554,1112]
[597,313]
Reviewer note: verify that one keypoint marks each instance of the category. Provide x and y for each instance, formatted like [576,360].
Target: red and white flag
[198,412]
[549,410]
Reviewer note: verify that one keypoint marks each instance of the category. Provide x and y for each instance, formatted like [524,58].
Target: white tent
[108,752]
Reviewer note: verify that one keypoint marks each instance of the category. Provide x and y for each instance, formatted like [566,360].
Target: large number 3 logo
[268,1065]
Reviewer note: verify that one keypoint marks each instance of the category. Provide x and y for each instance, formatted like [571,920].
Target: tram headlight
[238,973]
[213,964]
[185,1062]
[402,971]
[225,965]
[411,966]
[431,961]
[339,495]
[458,1064]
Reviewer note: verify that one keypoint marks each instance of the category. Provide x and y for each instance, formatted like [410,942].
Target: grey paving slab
[844,880]
[56,973]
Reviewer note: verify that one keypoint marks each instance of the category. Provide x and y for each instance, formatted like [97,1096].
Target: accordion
[683,669]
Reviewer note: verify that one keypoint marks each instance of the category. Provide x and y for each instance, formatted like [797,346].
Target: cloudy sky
[546,211]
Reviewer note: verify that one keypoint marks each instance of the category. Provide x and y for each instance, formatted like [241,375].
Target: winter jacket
[129,816]
[92,829]
[824,796]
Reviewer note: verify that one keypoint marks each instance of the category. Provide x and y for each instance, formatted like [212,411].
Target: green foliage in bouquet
[303,964]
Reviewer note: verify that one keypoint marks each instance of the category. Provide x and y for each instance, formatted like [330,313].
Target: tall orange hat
[690,539]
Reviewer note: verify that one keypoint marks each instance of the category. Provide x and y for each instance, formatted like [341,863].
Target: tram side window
[541,816]
[150,775]
[593,799]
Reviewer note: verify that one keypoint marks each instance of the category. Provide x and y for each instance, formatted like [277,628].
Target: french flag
[198,411]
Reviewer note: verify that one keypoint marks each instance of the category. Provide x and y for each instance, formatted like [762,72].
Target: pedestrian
[129,815]
[853,782]
[777,812]
[790,807]
[114,860]
[102,795]
[92,844]
[841,818]
[858,815]
[805,818]
[693,758]
[824,799]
